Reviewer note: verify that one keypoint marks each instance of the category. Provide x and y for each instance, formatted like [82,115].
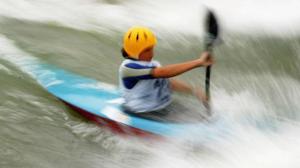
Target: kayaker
[146,85]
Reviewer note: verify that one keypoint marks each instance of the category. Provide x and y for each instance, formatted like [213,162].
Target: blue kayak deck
[100,99]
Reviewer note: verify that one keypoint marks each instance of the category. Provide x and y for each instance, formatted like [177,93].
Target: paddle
[211,35]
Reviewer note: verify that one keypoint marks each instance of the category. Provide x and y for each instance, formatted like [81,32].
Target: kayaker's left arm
[184,87]
[180,86]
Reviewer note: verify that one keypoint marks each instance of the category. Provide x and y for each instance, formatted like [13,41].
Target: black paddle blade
[212,24]
[212,29]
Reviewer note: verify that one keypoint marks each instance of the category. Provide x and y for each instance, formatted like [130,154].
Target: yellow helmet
[136,39]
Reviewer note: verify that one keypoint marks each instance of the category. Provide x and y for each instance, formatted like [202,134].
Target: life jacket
[141,91]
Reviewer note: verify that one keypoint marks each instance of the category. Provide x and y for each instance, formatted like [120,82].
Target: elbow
[156,73]
[161,73]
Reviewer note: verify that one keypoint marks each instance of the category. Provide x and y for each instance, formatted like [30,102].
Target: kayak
[101,102]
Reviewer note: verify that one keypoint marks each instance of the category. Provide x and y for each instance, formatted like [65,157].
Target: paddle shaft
[208,48]
[207,81]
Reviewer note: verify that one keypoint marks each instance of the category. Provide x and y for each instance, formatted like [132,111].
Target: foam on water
[247,148]
[4,68]
[279,17]
[243,145]
[16,56]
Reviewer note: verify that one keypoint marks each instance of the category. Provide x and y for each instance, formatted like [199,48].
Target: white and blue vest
[141,91]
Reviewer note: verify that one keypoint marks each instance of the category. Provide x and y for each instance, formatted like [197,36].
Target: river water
[255,82]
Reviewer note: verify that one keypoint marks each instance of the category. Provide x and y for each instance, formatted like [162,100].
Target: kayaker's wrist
[199,62]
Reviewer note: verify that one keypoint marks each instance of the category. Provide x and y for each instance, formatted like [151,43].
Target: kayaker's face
[147,54]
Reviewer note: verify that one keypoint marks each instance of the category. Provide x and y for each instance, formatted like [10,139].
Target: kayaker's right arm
[177,69]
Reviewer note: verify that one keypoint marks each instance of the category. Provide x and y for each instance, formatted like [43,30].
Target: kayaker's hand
[206,59]
[201,96]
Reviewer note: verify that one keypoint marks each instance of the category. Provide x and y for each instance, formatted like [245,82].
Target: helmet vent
[145,35]
[137,37]
[129,35]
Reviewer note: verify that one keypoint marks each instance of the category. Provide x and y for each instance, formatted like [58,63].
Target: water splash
[276,17]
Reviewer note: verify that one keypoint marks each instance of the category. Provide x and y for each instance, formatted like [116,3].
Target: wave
[276,17]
